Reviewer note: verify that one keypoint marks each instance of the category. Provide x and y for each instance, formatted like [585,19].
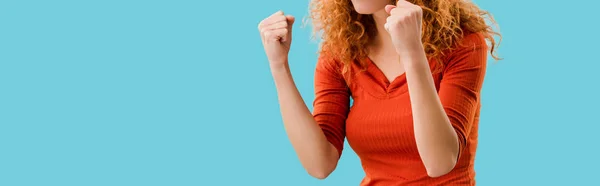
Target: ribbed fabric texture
[379,125]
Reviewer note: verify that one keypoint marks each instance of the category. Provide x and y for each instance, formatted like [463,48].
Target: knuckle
[268,34]
[404,18]
[417,9]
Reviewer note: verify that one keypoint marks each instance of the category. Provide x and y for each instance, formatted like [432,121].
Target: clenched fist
[404,26]
[276,35]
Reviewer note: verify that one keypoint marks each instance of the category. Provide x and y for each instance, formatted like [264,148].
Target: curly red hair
[345,32]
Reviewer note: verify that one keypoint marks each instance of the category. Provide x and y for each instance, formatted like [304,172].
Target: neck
[382,43]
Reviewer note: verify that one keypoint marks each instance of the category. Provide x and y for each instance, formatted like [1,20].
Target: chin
[369,6]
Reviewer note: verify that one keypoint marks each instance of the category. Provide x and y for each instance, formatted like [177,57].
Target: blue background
[179,93]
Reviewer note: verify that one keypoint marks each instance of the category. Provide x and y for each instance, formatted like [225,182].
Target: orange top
[379,125]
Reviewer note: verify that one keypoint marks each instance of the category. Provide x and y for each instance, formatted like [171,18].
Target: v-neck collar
[377,85]
[383,80]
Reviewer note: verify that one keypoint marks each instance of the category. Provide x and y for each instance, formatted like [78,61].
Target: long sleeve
[332,100]
[461,84]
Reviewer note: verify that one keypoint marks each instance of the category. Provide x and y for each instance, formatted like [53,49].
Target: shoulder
[471,50]
[328,61]
[471,41]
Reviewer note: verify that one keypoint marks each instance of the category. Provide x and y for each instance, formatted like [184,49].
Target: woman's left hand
[404,26]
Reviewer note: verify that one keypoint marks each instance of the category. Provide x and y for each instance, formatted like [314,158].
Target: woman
[414,70]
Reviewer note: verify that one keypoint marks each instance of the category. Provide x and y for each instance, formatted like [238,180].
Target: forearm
[437,141]
[316,154]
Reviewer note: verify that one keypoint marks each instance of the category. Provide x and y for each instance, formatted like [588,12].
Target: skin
[316,154]
[396,50]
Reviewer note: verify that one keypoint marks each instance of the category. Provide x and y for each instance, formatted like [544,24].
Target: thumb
[388,8]
[290,20]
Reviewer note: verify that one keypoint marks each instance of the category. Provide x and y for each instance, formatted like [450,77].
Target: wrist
[279,67]
[412,49]
[413,56]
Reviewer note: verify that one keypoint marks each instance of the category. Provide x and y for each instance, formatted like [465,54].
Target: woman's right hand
[276,35]
[317,155]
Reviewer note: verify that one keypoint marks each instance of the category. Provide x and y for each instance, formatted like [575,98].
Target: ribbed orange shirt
[379,124]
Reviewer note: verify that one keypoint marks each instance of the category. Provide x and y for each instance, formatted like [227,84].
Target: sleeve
[332,101]
[461,84]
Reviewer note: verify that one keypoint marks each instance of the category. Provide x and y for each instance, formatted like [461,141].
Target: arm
[442,120]
[310,140]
